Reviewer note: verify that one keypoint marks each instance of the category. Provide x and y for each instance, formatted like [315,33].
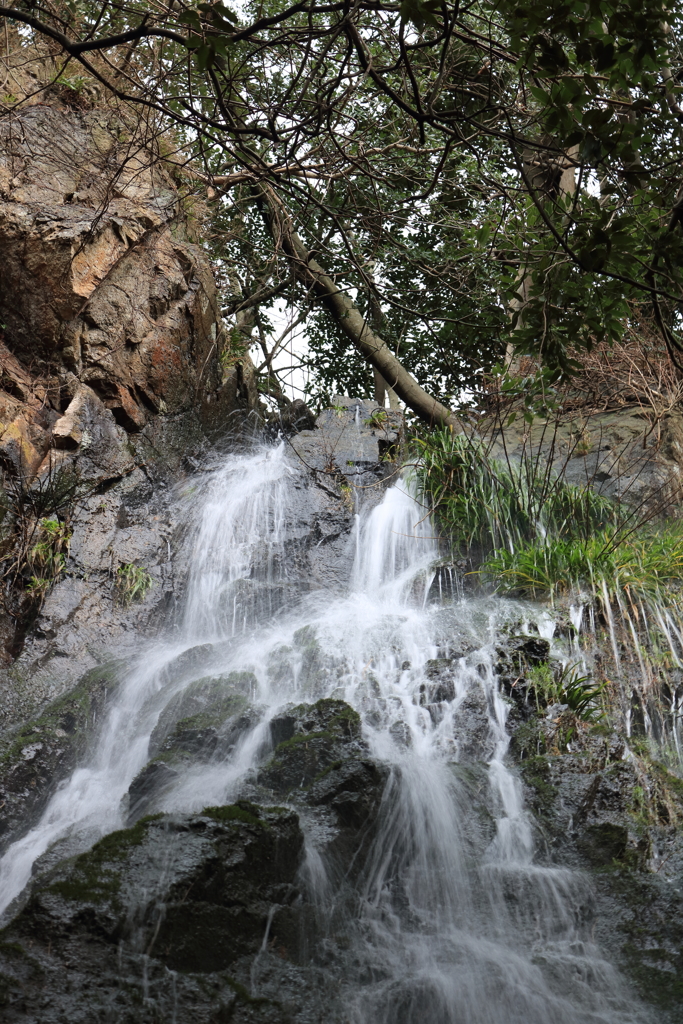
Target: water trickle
[446,916]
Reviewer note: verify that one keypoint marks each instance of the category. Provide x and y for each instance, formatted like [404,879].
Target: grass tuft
[493,503]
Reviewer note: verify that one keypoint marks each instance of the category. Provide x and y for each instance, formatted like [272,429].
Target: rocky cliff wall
[114,374]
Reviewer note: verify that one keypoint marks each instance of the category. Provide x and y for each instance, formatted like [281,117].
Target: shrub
[642,566]
[567,686]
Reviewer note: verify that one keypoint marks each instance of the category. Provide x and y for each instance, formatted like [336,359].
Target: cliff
[114,371]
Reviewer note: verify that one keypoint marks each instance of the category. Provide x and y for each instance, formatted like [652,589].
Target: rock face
[608,807]
[178,914]
[99,277]
[350,456]
[167,915]
[618,817]
[37,756]
[625,454]
[112,378]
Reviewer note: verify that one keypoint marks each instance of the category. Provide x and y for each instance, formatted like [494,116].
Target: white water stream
[437,929]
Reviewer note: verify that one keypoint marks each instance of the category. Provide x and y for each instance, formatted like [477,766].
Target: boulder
[35,758]
[162,920]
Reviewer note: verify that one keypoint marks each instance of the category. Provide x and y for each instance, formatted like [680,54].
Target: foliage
[606,565]
[47,557]
[493,502]
[474,175]
[133,582]
[567,686]
[49,553]
[377,419]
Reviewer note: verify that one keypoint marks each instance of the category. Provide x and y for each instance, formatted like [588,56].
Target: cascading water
[447,919]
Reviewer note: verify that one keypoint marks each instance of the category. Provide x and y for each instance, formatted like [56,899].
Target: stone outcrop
[169,916]
[626,454]
[350,456]
[186,911]
[35,758]
[605,805]
[115,374]
[99,277]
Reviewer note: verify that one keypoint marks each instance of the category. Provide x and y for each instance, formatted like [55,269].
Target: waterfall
[439,924]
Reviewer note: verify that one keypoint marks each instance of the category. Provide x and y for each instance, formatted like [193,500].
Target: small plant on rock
[46,559]
[377,419]
[49,553]
[133,582]
[567,686]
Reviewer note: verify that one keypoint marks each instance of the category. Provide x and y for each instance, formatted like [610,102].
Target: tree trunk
[349,318]
[551,174]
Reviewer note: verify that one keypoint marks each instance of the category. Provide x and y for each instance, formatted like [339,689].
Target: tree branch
[348,317]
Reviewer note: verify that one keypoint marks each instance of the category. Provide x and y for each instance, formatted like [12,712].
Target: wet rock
[35,758]
[322,766]
[345,462]
[618,817]
[153,781]
[160,918]
[471,727]
[354,441]
[202,724]
[205,704]
[310,739]
[515,658]
[352,788]
[604,844]
[442,685]
[296,416]
[109,301]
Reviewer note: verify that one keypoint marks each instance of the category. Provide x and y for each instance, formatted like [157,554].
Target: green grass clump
[640,567]
[132,583]
[496,503]
[92,878]
[243,811]
[567,686]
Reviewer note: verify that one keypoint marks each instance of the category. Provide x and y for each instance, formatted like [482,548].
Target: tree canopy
[427,185]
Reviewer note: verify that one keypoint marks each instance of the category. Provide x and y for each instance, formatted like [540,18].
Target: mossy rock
[35,759]
[95,876]
[537,777]
[192,894]
[209,734]
[528,739]
[207,702]
[604,844]
[308,739]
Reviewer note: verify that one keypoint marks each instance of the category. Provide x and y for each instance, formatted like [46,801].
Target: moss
[12,949]
[69,714]
[528,740]
[305,637]
[7,983]
[346,714]
[337,715]
[243,811]
[535,774]
[659,982]
[241,680]
[299,740]
[213,717]
[326,771]
[605,845]
[244,996]
[672,782]
[91,881]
